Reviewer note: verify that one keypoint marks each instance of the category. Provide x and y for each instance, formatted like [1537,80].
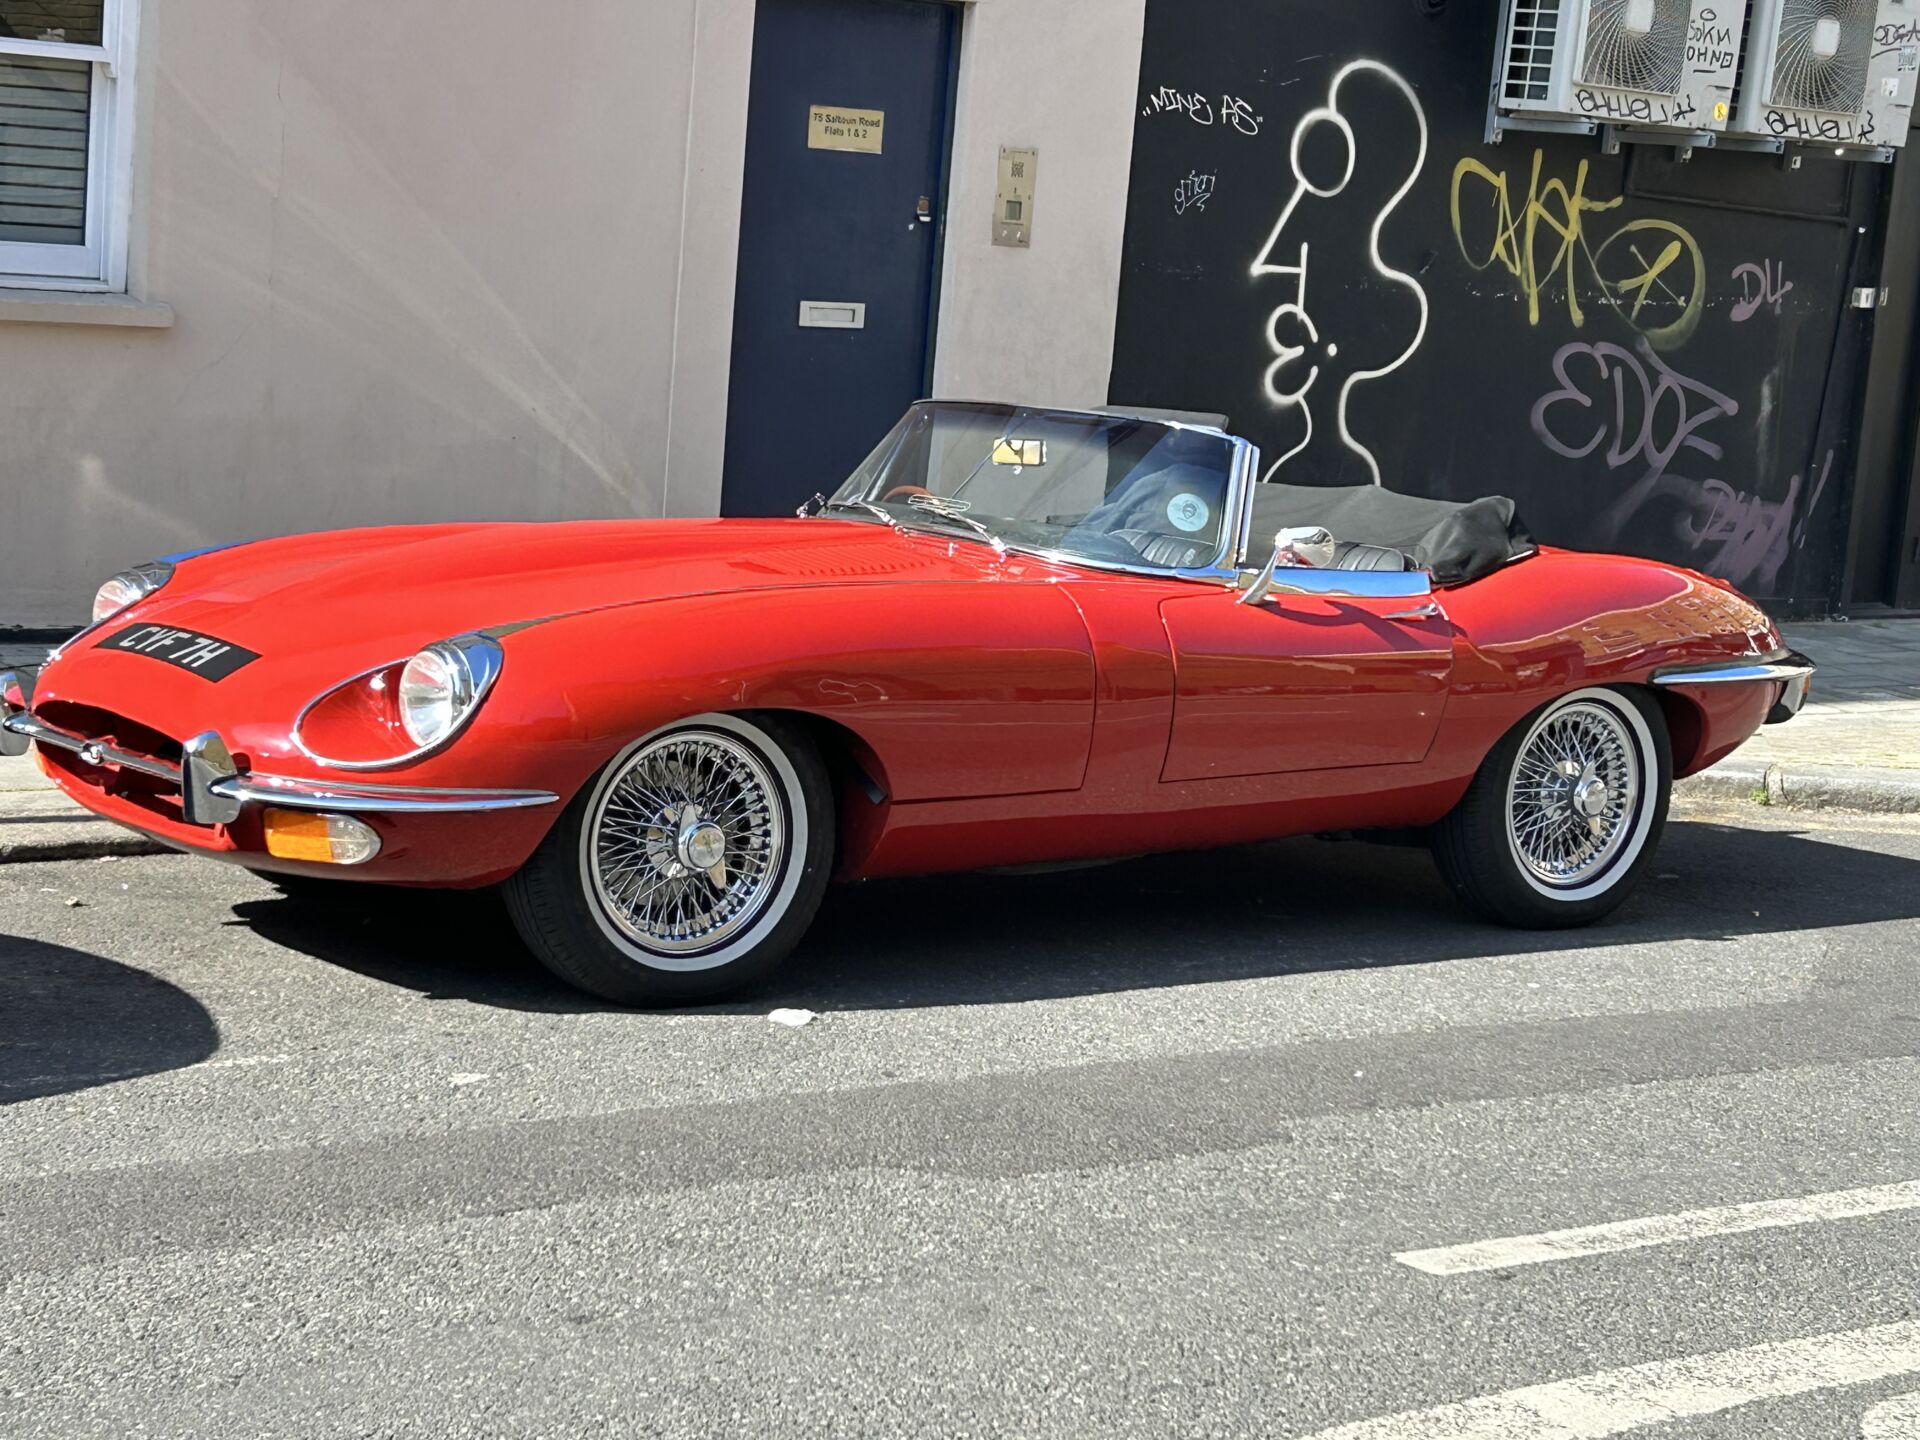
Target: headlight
[129,587]
[442,686]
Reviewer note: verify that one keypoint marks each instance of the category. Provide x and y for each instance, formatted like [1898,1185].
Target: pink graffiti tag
[1761,284]
[1751,532]
[1646,412]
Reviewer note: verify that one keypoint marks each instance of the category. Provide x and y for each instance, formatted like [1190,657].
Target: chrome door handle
[1428,611]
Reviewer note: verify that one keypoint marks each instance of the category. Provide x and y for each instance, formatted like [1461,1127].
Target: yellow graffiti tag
[1546,238]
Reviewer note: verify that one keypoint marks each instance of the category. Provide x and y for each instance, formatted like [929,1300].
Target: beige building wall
[431,266]
[1036,324]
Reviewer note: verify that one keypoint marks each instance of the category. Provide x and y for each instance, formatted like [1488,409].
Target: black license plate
[205,656]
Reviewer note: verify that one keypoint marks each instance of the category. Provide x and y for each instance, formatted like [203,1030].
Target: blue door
[840,221]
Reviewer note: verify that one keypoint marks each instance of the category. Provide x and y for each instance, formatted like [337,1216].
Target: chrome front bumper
[213,789]
[1790,667]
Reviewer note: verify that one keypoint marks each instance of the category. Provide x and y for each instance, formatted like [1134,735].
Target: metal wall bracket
[1684,142]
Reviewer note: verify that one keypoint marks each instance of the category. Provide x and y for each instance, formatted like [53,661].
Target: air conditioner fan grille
[1637,44]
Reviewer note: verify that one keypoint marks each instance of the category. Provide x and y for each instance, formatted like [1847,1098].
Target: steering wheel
[900,490]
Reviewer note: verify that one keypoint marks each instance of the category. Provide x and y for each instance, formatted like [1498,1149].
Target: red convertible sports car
[1014,637]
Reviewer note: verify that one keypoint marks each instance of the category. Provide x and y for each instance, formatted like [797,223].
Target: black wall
[1648,355]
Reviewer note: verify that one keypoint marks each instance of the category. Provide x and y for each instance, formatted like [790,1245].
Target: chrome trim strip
[1784,665]
[349,798]
[1341,585]
[346,797]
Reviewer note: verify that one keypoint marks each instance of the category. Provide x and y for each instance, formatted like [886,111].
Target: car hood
[320,608]
[414,585]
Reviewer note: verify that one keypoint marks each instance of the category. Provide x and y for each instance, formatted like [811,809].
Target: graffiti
[1635,412]
[1764,283]
[1710,44]
[1897,33]
[1753,534]
[1619,105]
[1294,315]
[1636,262]
[1168,101]
[1199,108]
[1193,192]
[1821,129]
[1239,114]
[1643,410]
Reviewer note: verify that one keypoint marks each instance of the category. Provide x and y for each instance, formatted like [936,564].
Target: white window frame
[100,261]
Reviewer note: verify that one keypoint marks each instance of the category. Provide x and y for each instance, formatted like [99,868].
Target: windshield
[1099,487]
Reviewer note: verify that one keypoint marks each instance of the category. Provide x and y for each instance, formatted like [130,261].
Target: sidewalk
[1856,746]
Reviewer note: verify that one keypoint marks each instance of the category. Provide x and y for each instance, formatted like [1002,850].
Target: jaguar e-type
[1015,636]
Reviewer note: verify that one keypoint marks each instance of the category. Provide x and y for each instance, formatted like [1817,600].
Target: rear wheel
[1564,814]
[687,868]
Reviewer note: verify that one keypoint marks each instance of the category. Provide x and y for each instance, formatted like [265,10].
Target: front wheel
[688,867]
[1564,814]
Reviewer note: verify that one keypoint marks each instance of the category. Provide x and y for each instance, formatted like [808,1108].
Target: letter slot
[833,314]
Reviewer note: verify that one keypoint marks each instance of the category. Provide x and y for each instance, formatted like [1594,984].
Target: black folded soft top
[1457,540]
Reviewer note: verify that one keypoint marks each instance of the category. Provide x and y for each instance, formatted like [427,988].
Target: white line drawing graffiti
[1296,309]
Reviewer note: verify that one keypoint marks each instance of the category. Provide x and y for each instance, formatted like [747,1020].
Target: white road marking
[1613,1402]
[1662,1229]
[1896,1419]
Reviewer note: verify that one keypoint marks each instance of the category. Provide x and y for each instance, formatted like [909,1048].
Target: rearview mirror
[1019,453]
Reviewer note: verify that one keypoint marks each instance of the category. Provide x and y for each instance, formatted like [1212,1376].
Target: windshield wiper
[868,506]
[943,508]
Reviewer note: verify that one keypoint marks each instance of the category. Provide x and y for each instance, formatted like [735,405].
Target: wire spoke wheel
[1574,794]
[687,843]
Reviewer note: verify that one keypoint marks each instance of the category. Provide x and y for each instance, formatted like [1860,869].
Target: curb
[1809,787]
[111,842]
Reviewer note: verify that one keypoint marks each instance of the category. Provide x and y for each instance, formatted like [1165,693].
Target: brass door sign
[842,127]
[1013,197]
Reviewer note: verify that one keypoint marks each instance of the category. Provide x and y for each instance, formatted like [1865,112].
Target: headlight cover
[403,710]
[443,685]
[129,588]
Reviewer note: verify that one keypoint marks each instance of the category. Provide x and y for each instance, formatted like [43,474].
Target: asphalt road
[1123,1152]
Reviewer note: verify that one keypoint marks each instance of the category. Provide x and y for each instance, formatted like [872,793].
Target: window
[65,133]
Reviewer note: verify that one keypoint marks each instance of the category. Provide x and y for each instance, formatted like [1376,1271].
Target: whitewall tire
[687,867]
[1565,812]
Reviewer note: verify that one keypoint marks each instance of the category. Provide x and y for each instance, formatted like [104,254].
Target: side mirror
[1311,546]
[1300,565]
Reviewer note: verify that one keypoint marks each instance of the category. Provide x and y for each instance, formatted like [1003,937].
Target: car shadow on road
[70,1020]
[1290,907]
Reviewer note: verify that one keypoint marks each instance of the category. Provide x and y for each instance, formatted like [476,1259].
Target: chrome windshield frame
[1236,520]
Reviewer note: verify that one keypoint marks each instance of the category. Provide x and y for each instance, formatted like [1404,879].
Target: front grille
[110,729]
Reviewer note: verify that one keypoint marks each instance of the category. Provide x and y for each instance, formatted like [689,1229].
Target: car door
[1304,682]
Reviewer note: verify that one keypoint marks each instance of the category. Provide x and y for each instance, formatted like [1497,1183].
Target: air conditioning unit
[1576,65]
[1829,72]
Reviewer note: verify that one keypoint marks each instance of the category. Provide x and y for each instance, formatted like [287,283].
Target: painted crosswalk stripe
[1648,1230]
[1613,1402]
